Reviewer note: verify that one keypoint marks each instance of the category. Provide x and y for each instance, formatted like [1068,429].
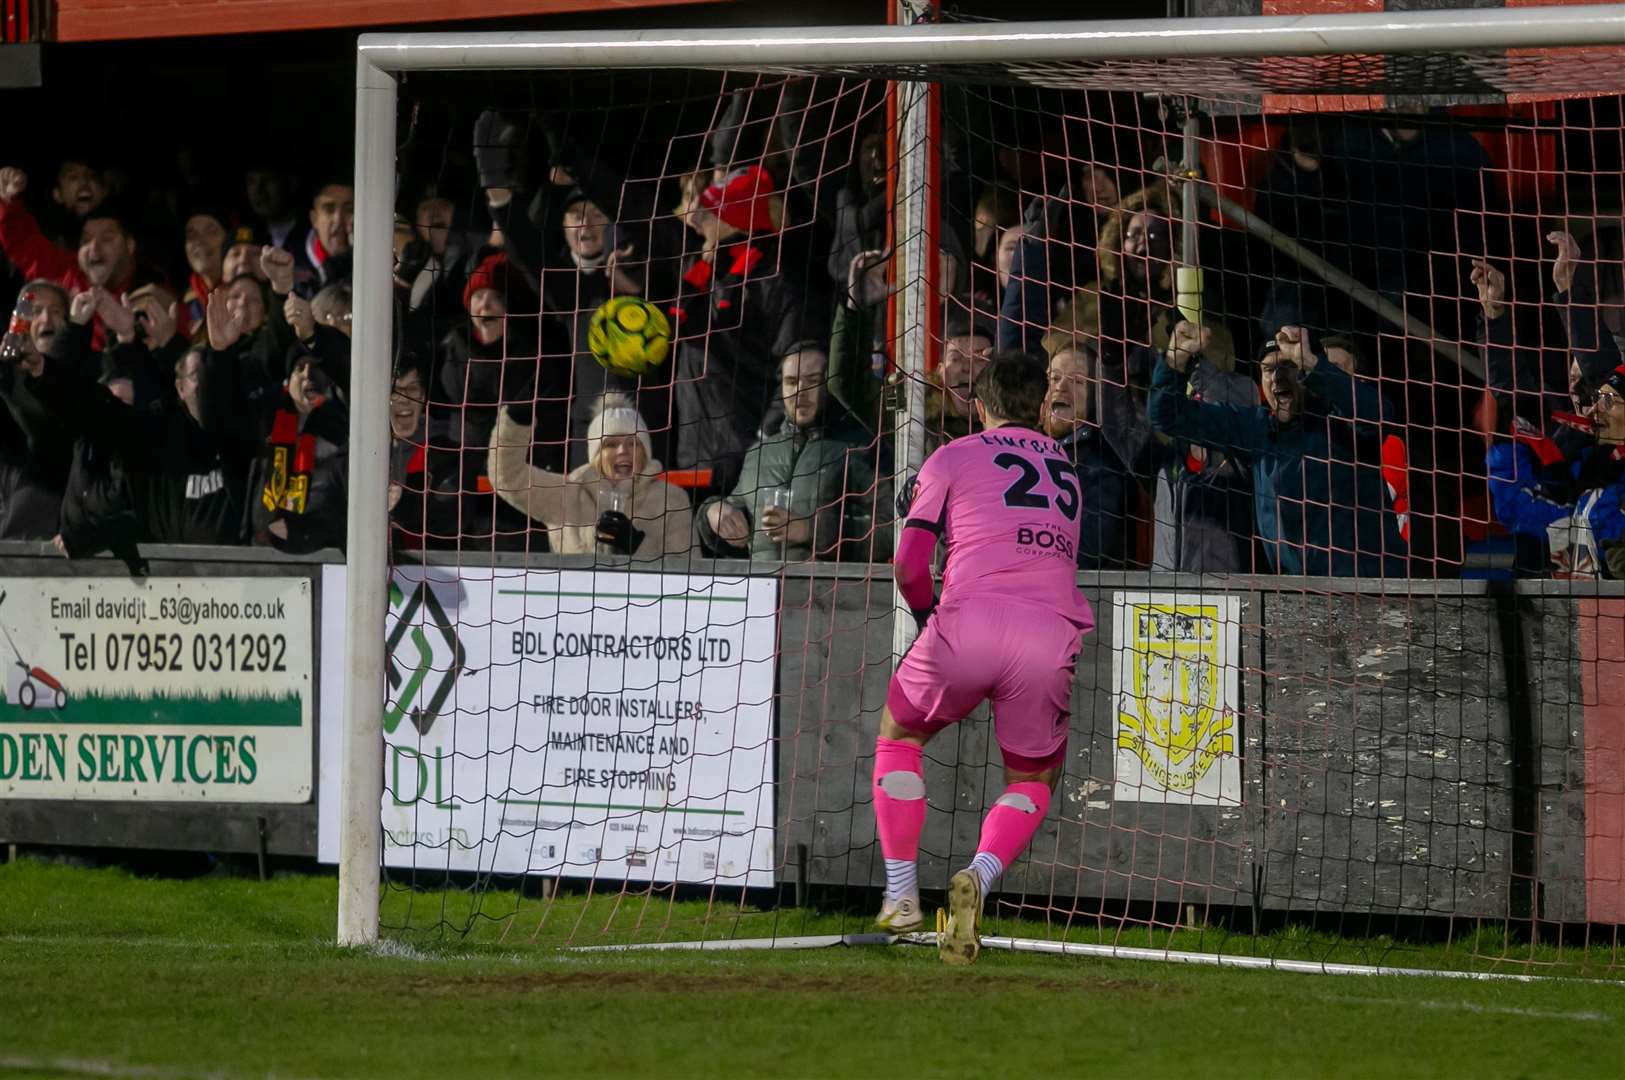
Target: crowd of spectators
[199,393]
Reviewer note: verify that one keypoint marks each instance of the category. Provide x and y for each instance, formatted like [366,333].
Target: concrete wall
[1414,751]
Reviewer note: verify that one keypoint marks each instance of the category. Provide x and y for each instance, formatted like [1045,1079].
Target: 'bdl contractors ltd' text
[707,650]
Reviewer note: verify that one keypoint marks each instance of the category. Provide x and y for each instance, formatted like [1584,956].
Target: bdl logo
[439,658]
[421,628]
[1172,714]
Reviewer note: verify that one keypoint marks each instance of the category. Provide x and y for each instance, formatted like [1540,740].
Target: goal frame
[382,58]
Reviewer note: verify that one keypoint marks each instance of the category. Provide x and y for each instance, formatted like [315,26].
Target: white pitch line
[385,948]
[94,1067]
[98,1067]
[148,943]
[1474,1007]
[392,949]
[1253,963]
[819,941]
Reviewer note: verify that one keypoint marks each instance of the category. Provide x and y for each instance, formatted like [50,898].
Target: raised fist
[1186,343]
[83,307]
[13,182]
[1568,254]
[1293,343]
[277,266]
[300,317]
[1492,289]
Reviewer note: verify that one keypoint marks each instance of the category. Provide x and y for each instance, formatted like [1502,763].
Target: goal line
[1071,948]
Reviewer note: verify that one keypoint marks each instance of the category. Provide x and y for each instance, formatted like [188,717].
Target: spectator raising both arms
[106,258]
[1320,505]
[175,471]
[1571,498]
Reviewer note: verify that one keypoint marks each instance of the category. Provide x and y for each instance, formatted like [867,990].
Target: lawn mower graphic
[27,685]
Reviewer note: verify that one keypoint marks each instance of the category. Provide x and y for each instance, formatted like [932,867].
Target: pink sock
[899,798]
[1011,823]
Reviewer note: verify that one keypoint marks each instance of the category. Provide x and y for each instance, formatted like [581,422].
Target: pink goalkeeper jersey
[1007,504]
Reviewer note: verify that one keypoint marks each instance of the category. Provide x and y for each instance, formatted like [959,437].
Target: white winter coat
[568,505]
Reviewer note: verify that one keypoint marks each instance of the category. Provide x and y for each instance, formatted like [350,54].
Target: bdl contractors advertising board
[170,689]
[572,723]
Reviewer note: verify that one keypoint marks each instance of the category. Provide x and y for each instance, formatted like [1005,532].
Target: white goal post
[381,58]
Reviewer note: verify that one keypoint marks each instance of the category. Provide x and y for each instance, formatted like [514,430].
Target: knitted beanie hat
[617,416]
[492,273]
[745,199]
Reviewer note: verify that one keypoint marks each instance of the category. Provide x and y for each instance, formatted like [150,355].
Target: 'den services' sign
[166,689]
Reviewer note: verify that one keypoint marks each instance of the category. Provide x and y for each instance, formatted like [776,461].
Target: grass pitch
[106,974]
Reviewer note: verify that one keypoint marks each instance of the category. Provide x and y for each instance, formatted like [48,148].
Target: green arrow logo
[422,621]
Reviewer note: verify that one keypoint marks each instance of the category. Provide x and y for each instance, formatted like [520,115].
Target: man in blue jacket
[1319,500]
[1568,495]
[1553,481]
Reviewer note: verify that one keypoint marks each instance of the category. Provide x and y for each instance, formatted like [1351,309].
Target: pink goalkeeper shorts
[1019,656]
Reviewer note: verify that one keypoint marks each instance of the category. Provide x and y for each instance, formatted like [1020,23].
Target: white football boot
[899,916]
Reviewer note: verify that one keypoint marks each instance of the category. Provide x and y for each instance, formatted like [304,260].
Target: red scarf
[293,455]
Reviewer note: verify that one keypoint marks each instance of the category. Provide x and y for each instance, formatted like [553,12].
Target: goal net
[1332,319]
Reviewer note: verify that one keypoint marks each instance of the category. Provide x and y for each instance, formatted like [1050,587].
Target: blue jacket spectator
[1538,475]
[1202,507]
[1319,500]
[1570,500]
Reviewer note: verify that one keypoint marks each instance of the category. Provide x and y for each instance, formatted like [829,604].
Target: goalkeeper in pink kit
[1007,628]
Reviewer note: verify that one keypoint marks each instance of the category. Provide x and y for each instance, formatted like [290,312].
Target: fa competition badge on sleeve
[1175,685]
